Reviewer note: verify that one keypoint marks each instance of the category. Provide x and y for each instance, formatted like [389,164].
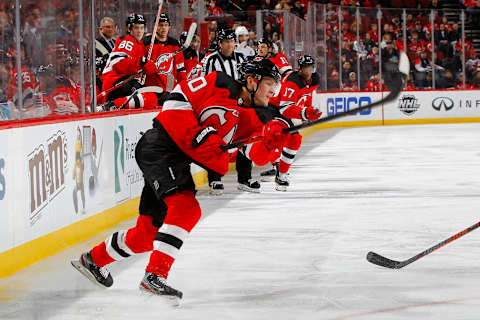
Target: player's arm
[123,59]
[289,105]
[179,62]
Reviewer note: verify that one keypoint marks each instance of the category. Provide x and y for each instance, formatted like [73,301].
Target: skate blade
[172,301]
[281,188]
[245,188]
[79,266]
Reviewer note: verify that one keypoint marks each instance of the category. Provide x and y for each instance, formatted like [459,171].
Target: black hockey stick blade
[393,264]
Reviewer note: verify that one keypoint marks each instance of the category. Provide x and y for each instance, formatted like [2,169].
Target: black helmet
[306,60]
[135,18]
[164,18]
[259,68]
[267,41]
[226,34]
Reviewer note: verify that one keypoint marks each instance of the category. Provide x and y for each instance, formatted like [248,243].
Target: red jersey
[66,98]
[29,86]
[295,93]
[212,101]
[372,85]
[166,63]
[281,61]
[123,61]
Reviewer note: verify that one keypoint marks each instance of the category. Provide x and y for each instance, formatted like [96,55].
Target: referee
[226,59]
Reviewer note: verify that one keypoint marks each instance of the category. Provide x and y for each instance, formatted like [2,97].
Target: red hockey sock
[289,152]
[183,214]
[145,100]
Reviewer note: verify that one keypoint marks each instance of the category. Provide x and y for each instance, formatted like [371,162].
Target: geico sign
[345,104]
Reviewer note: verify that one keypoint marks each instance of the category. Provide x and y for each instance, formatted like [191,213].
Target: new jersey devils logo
[224,120]
[164,63]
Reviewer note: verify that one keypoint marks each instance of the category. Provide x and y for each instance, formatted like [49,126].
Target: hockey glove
[310,113]
[208,139]
[273,136]
[148,66]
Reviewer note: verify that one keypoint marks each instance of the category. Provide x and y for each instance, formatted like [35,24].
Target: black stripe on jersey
[221,63]
[168,238]
[177,97]
[225,81]
[297,79]
[288,155]
[116,247]
[232,69]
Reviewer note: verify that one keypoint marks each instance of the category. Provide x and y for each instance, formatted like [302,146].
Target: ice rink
[395,190]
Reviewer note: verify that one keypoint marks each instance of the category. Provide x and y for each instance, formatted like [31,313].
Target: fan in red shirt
[198,118]
[294,101]
[126,59]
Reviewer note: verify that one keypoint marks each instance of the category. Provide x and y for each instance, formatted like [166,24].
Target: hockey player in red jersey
[171,69]
[294,102]
[199,117]
[265,49]
[125,60]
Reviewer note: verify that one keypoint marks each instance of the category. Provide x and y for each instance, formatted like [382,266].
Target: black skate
[86,266]
[269,175]
[157,285]
[216,188]
[251,186]
[281,181]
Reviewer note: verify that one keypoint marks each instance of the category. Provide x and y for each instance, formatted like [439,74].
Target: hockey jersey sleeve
[125,58]
[179,61]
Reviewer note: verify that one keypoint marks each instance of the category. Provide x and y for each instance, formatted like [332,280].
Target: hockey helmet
[135,18]
[241,31]
[267,41]
[258,68]
[183,37]
[226,34]
[306,60]
[164,18]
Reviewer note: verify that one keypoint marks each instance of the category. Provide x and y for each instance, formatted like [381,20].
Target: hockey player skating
[294,102]
[126,60]
[198,118]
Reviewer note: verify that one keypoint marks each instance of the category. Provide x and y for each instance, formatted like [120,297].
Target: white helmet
[241,31]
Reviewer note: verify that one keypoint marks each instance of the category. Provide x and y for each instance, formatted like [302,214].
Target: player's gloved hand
[273,136]
[148,66]
[209,139]
[310,113]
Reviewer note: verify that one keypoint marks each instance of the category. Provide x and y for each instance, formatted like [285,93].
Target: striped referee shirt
[218,62]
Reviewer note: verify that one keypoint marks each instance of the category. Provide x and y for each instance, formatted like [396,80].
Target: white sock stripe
[174,230]
[112,252]
[286,160]
[122,235]
[290,151]
[165,248]
[141,101]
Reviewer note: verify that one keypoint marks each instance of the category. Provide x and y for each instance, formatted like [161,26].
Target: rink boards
[45,167]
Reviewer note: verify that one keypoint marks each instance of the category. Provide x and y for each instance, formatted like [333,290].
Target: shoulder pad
[173,42]
[295,78]
[226,82]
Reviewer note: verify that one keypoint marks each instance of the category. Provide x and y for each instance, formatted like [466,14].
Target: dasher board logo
[3,184]
[408,104]
[86,165]
[442,103]
[126,170]
[47,168]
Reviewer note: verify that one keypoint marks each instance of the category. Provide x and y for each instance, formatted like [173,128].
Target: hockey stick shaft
[392,264]
[154,35]
[118,85]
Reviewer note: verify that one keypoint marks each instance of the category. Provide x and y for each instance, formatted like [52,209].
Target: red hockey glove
[273,136]
[148,66]
[208,139]
[311,114]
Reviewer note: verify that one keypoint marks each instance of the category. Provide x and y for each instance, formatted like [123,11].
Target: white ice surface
[396,190]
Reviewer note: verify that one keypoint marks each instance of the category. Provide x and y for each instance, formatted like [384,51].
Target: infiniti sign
[442,102]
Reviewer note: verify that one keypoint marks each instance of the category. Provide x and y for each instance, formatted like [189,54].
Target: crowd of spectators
[50,50]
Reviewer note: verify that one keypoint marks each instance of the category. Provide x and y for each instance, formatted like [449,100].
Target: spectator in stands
[460,83]
[422,68]
[442,42]
[419,30]
[454,35]
[6,31]
[476,81]
[65,32]
[446,81]
[352,83]
[32,37]
[106,40]
[214,10]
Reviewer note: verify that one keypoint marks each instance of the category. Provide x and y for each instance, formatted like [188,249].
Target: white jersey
[218,62]
[246,50]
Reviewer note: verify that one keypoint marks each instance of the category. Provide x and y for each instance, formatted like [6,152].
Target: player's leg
[286,159]
[215,183]
[244,174]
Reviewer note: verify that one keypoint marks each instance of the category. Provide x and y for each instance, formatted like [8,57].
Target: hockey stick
[393,264]
[154,35]
[140,90]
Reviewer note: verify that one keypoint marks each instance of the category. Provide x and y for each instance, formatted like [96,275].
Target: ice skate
[250,186]
[86,266]
[269,175]
[216,188]
[281,181]
[107,106]
[156,285]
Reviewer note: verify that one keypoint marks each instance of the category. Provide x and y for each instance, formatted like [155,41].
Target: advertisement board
[5,191]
